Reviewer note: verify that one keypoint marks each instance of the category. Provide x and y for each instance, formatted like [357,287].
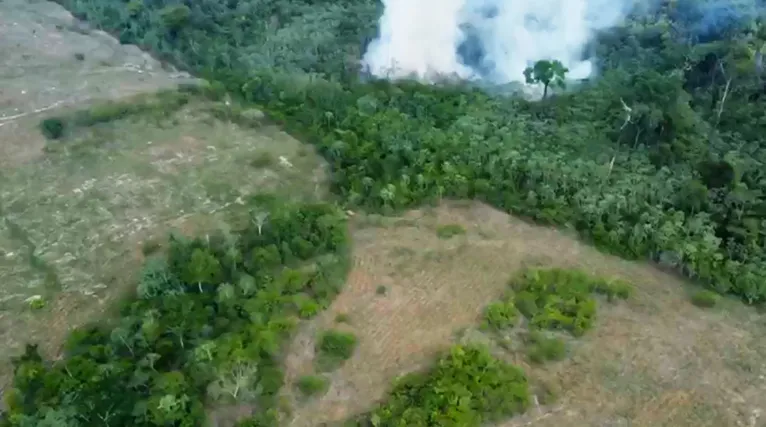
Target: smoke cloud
[492,40]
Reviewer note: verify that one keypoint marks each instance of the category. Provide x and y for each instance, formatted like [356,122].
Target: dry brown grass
[654,361]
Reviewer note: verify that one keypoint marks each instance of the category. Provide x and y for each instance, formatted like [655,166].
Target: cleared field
[51,60]
[75,223]
[655,360]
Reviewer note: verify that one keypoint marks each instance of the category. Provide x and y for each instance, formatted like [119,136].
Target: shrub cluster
[333,348]
[207,325]
[562,299]
[468,387]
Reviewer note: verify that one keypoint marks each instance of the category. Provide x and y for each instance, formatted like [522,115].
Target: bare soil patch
[656,360]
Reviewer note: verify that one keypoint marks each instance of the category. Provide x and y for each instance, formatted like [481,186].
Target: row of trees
[206,327]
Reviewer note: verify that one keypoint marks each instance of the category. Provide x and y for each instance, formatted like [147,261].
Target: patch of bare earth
[655,360]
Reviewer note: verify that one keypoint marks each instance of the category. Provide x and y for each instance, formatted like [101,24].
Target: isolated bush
[562,299]
[467,387]
[333,348]
[52,127]
[542,348]
[312,385]
[449,231]
[705,298]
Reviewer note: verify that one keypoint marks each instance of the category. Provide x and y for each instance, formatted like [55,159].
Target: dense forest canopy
[659,155]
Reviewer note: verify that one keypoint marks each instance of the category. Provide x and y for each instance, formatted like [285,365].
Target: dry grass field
[655,360]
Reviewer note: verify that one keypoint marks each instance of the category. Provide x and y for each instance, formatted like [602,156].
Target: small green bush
[449,231]
[501,314]
[312,385]
[468,387]
[262,160]
[543,348]
[705,298]
[563,299]
[52,128]
[37,302]
[381,290]
[335,347]
[342,318]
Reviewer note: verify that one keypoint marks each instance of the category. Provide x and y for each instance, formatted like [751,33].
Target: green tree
[203,268]
[547,73]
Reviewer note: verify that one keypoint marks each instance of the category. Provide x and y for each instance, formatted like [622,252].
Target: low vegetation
[312,385]
[705,298]
[333,348]
[467,387]
[543,348]
[563,299]
[207,326]
[157,106]
[501,314]
[449,231]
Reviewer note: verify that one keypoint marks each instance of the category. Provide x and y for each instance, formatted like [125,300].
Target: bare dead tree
[259,220]
[725,92]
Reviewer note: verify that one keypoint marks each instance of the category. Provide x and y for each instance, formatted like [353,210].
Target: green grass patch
[449,231]
[333,348]
[705,298]
[542,348]
[467,387]
[158,106]
[342,318]
[312,385]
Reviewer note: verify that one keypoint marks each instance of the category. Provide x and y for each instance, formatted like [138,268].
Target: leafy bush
[333,348]
[561,299]
[705,299]
[500,315]
[52,127]
[312,385]
[467,387]
[542,348]
[205,326]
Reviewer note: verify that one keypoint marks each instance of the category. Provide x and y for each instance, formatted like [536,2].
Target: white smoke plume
[494,40]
